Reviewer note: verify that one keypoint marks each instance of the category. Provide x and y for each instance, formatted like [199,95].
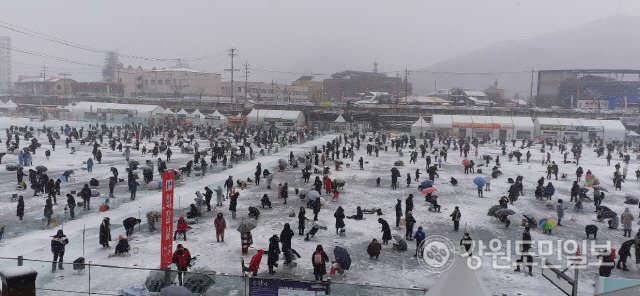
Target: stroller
[529,221]
[312,233]
[578,207]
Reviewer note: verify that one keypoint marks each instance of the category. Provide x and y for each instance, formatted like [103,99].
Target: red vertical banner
[167,219]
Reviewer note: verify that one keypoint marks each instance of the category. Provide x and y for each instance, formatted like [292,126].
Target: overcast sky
[291,36]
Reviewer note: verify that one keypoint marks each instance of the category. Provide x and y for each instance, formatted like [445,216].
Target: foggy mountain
[606,43]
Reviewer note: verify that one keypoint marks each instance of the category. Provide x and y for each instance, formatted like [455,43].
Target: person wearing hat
[122,248]
[182,259]
[455,217]
[58,243]
[466,242]
[71,204]
[105,232]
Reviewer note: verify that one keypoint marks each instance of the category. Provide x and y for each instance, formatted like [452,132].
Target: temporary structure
[420,126]
[459,280]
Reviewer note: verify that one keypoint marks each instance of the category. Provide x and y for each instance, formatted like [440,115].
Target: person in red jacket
[254,265]
[221,224]
[181,228]
[182,260]
[327,185]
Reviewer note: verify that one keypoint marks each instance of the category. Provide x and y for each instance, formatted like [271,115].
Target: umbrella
[95,193]
[466,162]
[338,162]
[156,280]
[479,181]
[547,223]
[602,209]
[12,167]
[608,214]
[600,188]
[517,154]
[591,180]
[282,162]
[198,282]
[505,212]
[493,209]
[342,257]
[41,169]
[323,201]
[313,194]
[485,157]
[246,225]
[429,190]
[175,291]
[426,184]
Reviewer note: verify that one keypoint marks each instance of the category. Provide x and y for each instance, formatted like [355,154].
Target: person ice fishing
[455,217]
[58,245]
[467,242]
[105,232]
[386,231]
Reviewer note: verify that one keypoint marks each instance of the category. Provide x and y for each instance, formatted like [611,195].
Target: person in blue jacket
[420,236]
[133,187]
[549,190]
[89,165]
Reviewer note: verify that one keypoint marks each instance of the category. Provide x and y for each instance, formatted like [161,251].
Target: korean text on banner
[167,219]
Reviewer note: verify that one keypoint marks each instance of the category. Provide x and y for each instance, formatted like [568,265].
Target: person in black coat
[285,192]
[625,252]
[58,243]
[105,232]
[386,231]
[233,203]
[301,220]
[316,209]
[285,237]
[319,261]
[358,215]
[208,195]
[71,204]
[85,193]
[408,204]
[606,266]
[273,255]
[410,221]
[129,224]
[20,209]
[398,212]
[526,240]
[112,185]
[339,215]
[374,249]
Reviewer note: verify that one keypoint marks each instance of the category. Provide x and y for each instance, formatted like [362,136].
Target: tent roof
[167,111]
[196,112]
[217,113]
[632,134]
[341,119]
[461,118]
[522,122]
[459,280]
[548,120]
[481,119]
[182,112]
[420,122]
[610,125]
[9,104]
[95,105]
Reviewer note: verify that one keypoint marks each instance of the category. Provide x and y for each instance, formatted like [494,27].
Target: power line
[28,32]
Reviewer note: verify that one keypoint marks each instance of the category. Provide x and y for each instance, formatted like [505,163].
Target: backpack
[317,258]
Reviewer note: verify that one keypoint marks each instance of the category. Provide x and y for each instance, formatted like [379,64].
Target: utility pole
[64,81]
[246,79]
[531,90]
[232,53]
[44,80]
[406,84]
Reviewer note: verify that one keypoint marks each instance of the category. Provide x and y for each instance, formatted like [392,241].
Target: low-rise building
[174,83]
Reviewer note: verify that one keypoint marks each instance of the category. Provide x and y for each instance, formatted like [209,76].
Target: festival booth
[420,126]
[182,114]
[196,116]
[277,118]
[482,127]
[9,107]
[462,125]
[633,137]
[340,125]
[591,129]
[547,128]
[502,127]
[459,279]
[167,113]
[442,123]
[571,128]
[523,127]
[614,130]
[216,119]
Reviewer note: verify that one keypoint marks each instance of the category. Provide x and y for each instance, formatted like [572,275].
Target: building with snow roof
[113,111]
[278,118]
[586,129]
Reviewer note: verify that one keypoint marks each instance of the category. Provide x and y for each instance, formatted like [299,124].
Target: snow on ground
[393,269]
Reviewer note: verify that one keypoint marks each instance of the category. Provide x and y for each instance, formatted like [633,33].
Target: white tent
[613,130]
[420,126]
[10,105]
[216,118]
[459,280]
[196,114]
[183,112]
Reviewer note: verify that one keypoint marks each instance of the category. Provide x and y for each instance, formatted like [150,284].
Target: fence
[100,279]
